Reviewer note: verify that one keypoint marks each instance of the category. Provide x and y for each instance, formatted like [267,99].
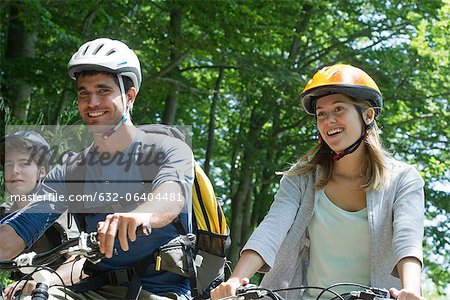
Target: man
[26,160]
[108,77]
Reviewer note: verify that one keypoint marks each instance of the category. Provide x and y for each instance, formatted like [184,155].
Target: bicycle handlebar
[251,291]
[85,245]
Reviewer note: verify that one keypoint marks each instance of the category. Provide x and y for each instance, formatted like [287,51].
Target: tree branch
[176,61]
[159,6]
[427,116]
[187,87]
[286,128]
[317,55]
[209,67]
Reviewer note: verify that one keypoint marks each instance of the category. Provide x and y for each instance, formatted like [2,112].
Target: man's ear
[369,115]
[131,96]
[42,172]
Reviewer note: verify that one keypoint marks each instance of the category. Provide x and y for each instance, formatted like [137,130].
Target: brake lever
[250,291]
[88,246]
[372,294]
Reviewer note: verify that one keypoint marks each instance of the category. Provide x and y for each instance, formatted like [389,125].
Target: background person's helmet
[106,55]
[36,139]
[342,79]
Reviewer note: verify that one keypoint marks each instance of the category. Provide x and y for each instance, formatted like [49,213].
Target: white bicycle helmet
[112,56]
[108,55]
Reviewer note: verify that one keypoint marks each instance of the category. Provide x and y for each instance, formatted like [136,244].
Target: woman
[347,211]
[26,157]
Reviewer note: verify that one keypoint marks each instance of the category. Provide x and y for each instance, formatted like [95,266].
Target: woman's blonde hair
[319,159]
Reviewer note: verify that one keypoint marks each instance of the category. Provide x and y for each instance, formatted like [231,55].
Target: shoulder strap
[163,129]
[148,139]
[75,177]
[76,171]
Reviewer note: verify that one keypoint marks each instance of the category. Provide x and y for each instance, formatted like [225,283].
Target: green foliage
[268,50]
[4,278]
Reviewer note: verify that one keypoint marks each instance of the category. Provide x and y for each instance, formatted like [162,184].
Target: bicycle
[35,265]
[251,291]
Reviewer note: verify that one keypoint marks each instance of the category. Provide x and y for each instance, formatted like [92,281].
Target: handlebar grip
[142,230]
[40,292]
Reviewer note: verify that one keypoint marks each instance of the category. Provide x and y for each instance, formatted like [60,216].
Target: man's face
[21,173]
[99,100]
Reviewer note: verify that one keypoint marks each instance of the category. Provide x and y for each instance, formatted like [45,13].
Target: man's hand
[14,287]
[122,225]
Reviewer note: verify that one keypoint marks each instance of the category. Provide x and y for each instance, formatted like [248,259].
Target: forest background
[233,70]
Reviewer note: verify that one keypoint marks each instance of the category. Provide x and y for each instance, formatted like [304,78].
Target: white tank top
[340,249]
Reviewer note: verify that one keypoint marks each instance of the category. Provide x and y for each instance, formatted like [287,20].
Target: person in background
[26,161]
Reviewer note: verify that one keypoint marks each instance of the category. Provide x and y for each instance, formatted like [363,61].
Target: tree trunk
[171,106]
[247,228]
[264,197]
[60,108]
[20,47]
[172,97]
[301,27]
[212,126]
[238,205]
[242,201]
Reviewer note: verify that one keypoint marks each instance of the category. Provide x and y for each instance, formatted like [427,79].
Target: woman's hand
[409,271]
[14,287]
[228,288]
[405,294]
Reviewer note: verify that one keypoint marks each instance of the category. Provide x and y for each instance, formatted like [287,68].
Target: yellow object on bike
[212,229]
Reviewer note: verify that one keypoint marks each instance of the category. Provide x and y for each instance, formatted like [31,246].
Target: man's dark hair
[127,82]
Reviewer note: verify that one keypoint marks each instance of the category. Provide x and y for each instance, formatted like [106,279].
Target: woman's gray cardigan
[395,215]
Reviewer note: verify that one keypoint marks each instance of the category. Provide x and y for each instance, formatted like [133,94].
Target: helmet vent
[85,50]
[111,52]
[98,49]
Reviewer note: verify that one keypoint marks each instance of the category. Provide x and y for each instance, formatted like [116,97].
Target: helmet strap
[124,118]
[320,138]
[352,148]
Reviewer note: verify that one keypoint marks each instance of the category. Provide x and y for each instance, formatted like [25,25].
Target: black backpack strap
[76,171]
[75,177]
[117,277]
[131,276]
[190,257]
[164,130]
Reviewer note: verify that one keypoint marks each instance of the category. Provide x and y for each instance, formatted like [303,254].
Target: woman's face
[338,121]
[21,173]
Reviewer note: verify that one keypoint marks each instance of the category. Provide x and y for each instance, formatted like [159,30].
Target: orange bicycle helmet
[342,79]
